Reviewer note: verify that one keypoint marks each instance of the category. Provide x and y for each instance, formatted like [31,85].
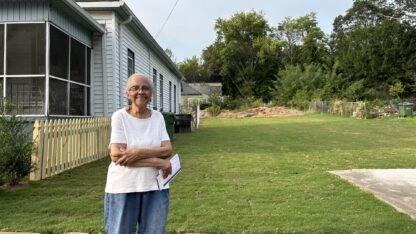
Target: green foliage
[298,85]
[191,69]
[16,148]
[376,50]
[169,122]
[214,110]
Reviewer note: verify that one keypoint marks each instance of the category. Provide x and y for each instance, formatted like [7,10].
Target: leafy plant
[214,110]
[16,147]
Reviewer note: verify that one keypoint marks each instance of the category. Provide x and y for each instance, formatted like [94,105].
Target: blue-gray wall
[42,11]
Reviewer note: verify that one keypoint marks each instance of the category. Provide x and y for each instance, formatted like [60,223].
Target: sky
[190,27]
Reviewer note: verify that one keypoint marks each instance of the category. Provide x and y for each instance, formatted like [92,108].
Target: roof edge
[84,14]
[105,5]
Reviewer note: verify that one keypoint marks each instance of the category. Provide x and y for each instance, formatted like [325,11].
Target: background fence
[67,143]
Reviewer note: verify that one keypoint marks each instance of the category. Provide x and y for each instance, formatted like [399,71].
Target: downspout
[119,57]
[105,85]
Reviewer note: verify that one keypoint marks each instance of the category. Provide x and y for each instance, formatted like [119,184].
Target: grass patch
[245,175]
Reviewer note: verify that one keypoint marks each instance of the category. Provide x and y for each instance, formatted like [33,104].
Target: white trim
[68,89]
[24,22]
[4,62]
[100,4]
[25,75]
[47,67]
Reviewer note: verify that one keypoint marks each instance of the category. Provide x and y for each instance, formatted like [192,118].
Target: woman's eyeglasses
[136,88]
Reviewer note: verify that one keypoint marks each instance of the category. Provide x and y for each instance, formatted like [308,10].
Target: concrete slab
[396,187]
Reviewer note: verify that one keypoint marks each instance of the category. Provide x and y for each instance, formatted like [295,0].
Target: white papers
[176,168]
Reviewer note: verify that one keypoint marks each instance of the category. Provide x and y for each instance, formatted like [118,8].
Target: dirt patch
[9,187]
[277,111]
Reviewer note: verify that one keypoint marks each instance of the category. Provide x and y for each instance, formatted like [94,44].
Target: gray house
[65,58]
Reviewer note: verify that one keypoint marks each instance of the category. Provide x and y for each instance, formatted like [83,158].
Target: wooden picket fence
[62,144]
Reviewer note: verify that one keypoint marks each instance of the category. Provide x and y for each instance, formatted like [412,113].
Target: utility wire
[173,8]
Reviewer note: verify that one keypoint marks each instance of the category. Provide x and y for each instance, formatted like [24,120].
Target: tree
[169,53]
[238,36]
[375,51]
[211,60]
[305,42]
[191,69]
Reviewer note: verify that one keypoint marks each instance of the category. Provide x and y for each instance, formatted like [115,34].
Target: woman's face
[139,91]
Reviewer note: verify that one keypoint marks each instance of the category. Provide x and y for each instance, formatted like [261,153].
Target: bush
[16,149]
[214,110]
[169,122]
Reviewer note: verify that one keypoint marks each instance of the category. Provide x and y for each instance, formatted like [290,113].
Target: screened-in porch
[43,70]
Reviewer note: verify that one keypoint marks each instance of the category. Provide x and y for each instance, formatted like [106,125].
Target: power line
[173,8]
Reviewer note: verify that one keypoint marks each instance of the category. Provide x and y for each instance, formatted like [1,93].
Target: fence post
[35,174]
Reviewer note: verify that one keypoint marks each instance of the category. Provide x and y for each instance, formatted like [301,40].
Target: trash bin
[405,109]
[183,123]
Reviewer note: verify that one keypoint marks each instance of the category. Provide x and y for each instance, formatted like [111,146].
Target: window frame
[154,99]
[161,91]
[130,61]
[47,75]
[170,96]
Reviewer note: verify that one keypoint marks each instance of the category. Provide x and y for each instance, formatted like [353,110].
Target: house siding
[97,78]
[42,11]
[106,18]
[168,75]
[73,28]
[141,58]
[29,11]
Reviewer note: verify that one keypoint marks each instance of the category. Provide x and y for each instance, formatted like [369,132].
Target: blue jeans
[124,211]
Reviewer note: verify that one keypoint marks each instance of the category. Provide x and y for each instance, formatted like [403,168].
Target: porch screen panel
[1,95]
[78,58]
[1,51]
[58,97]
[77,100]
[25,49]
[27,94]
[88,66]
[59,57]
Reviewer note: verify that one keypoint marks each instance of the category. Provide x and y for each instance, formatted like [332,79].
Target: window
[77,100]
[170,96]
[154,89]
[1,50]
[59,49]
[78,59]
[130,63]
[25,49]
[69,96]
[174,98]
[88,64]
[27,93]
[161,91]
[58,97]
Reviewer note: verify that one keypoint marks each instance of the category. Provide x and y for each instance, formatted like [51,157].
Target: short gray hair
[139,75]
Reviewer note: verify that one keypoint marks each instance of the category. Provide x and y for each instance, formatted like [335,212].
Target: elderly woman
[139,146]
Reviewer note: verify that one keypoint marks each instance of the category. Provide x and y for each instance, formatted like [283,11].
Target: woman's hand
[127,157]
[166,168]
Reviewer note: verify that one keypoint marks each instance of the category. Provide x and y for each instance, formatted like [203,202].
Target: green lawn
[245,175]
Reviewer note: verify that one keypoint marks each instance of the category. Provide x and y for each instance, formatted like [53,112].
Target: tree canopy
[371,54]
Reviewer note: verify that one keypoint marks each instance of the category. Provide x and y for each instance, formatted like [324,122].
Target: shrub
[16,149]
[214,110]
[169,122]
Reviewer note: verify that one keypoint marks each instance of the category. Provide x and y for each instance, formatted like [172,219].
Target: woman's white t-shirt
[134,132]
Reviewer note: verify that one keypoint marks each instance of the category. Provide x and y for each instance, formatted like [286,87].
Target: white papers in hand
[176,168]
